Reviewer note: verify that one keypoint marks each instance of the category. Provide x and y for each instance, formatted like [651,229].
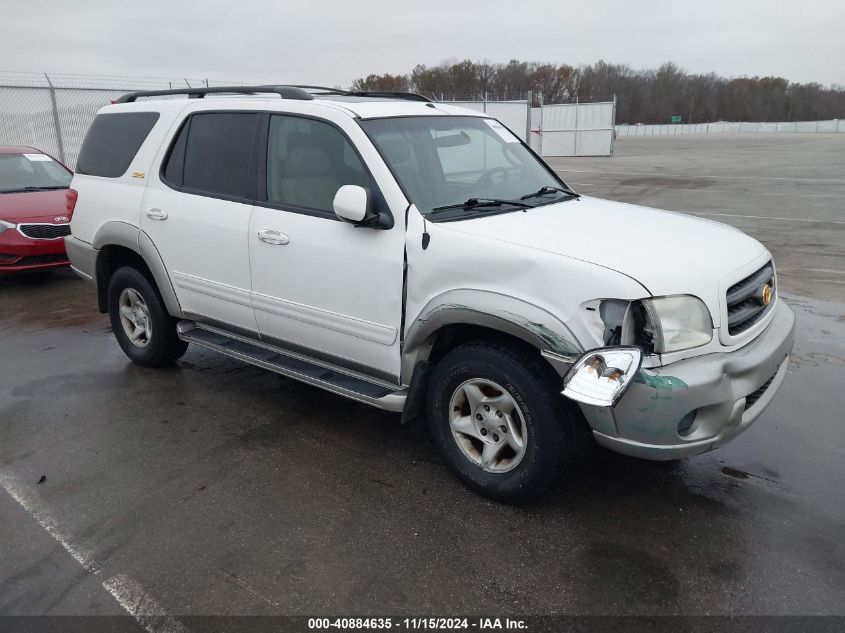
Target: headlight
[5,226]
[678,322]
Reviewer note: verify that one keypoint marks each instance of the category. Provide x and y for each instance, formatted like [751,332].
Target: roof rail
[408,96]
[323,90]
[285,92]
[301,92]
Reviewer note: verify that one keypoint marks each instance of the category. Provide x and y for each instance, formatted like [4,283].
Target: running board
[294,366]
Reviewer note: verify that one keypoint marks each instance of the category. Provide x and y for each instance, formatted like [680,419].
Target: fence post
[540,131]
[613,126]
[56,124]
[529,101]
[575,137]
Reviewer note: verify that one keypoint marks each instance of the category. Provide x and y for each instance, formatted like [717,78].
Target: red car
[34,216]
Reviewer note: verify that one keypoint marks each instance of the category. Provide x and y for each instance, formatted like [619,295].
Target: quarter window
[112,142]
[307,162]
[213,153]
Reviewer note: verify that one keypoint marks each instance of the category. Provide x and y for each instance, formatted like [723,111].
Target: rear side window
[112,142]
[214,154]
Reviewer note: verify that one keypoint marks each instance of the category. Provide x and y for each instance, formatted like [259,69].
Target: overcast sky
[335,42]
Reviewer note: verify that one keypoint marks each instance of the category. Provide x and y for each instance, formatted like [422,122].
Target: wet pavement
[787,190]
[218,488]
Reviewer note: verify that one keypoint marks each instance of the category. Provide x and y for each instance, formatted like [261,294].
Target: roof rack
[285,92]
[300,92]
[323,90]
[408,96]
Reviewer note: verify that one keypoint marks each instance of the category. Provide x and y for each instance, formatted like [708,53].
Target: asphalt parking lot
[219,488]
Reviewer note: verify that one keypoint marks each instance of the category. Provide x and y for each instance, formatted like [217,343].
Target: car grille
[752,398]
[45,231]
[745,305]
[34,260]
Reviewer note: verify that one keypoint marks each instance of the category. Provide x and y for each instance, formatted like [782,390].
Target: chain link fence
[52,112]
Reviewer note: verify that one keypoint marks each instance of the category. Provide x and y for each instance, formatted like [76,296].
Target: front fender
[504,313]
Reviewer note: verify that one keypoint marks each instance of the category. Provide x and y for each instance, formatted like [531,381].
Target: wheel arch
[457,316]
[122,244]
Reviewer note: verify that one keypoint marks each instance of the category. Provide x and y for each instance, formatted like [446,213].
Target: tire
[539,415]
[157,343]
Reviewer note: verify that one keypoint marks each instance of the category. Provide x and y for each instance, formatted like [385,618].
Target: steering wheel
[487,177]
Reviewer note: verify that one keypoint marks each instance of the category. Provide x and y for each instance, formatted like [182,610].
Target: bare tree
[643,96]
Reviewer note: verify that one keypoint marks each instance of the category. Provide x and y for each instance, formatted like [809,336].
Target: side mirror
[351,203]
[601,376]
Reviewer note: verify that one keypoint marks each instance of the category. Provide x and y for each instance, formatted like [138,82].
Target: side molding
[152,257]
[496,311]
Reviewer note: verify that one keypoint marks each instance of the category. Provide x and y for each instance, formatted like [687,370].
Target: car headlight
[4,226]
[678,322]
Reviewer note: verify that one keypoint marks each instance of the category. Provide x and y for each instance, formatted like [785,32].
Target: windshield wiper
[25,189]
[546,189]
[474,203]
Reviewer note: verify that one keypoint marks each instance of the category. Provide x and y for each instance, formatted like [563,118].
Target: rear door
[322,286]
[197,213]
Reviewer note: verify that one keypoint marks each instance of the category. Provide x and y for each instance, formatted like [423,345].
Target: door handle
[156,214]
[269,236]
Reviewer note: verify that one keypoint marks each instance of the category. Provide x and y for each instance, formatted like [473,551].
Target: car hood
[29,205]
[666,252]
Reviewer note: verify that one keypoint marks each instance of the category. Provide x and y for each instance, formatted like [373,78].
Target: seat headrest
[397,151]
[307,162]
[297,140]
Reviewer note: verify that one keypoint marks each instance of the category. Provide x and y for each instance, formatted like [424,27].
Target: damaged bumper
[696,405]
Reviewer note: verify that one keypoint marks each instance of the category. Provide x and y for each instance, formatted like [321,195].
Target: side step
[282,362]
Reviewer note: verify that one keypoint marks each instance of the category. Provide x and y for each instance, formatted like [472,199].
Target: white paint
[824,270]
[777,194]
[128,593]
[608,234]
[143,607]
[34,508]
[765,217]
[648,175]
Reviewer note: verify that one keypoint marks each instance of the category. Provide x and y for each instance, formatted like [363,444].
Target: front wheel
[496,414]
[141,324]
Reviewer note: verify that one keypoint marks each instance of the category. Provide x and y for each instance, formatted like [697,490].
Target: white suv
[421,258]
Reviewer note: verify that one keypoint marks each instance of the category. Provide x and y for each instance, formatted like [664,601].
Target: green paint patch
[657,381]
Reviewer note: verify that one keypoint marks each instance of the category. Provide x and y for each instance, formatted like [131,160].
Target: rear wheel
[141,324]
[496,414]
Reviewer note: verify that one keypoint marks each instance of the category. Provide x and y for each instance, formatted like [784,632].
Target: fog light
[685,425]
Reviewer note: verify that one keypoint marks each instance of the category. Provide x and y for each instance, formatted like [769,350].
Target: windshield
[445,162]
[31,172]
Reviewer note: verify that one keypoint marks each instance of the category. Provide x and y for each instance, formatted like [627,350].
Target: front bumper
[727,392]
[19,253]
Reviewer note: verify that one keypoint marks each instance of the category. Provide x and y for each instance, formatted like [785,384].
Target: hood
[31,205]
[666,252]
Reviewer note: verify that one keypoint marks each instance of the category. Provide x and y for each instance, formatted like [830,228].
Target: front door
[322,286]
[197,213]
